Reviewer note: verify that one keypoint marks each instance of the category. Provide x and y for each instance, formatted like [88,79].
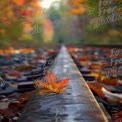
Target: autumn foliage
[19,2]
[78,7]
[17,20]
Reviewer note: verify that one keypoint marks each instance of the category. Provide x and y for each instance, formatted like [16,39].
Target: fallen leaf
[51,85]
[7,112]
[109,81]
[97,88]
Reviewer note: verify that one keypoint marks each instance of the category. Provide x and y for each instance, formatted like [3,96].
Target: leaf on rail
[51,85]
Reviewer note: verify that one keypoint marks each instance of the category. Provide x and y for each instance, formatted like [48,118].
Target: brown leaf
[7,112]
[96,87]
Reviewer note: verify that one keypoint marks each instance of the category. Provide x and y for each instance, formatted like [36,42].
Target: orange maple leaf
[51,86]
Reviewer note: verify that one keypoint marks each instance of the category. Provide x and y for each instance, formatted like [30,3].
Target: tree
[63,23]
[15,15]
[108,33]
[78,7]
[88,11]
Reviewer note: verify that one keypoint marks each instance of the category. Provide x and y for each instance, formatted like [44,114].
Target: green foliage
[109,33]
[59,17]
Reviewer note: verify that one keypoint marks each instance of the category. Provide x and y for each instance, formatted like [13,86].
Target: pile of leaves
[14,108]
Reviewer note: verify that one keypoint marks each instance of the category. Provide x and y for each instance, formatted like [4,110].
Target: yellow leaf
[14,85]
[43,92]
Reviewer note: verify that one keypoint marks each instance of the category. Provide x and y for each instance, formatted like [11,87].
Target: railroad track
[76,105]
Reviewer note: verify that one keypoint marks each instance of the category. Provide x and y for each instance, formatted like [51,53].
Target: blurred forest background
[24,23]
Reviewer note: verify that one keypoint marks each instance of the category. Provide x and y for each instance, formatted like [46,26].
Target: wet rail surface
[76,105]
